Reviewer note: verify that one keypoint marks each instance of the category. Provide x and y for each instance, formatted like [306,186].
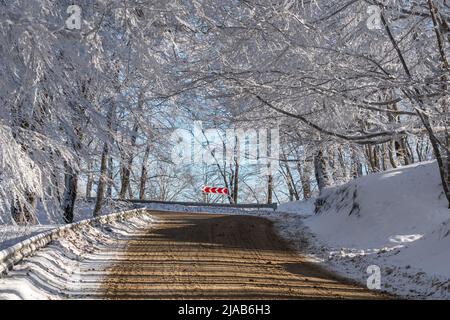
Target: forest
[88,111]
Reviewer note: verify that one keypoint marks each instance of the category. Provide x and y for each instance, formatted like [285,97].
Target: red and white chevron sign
[215,190]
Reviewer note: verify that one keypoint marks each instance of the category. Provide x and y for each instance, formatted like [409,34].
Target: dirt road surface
[205,256]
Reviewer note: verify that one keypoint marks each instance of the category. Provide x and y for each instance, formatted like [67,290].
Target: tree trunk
[293,193]
[90,179]
[144,174]
[125,173]
[236,182]
[376,158]
[356,165]
[269,188]
[333,164]
[101,181]
[70,194]
[110,178]
[392,158]
[383,157]
[128,158]
[305,177]
[402,151]
[342,163]
[321,171]
[24,214]
[71,174]
[130,192]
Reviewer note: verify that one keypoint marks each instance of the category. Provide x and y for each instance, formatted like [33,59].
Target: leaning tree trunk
[293,193]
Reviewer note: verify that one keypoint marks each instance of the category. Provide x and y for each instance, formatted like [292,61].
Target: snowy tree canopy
[352,85]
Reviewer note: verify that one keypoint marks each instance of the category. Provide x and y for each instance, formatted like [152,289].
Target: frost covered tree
[352,92]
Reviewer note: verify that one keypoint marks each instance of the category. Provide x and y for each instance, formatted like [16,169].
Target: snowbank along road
[174,256]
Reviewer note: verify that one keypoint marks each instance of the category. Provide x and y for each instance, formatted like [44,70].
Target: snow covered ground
[397,220]
[72,266]
[11,234]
